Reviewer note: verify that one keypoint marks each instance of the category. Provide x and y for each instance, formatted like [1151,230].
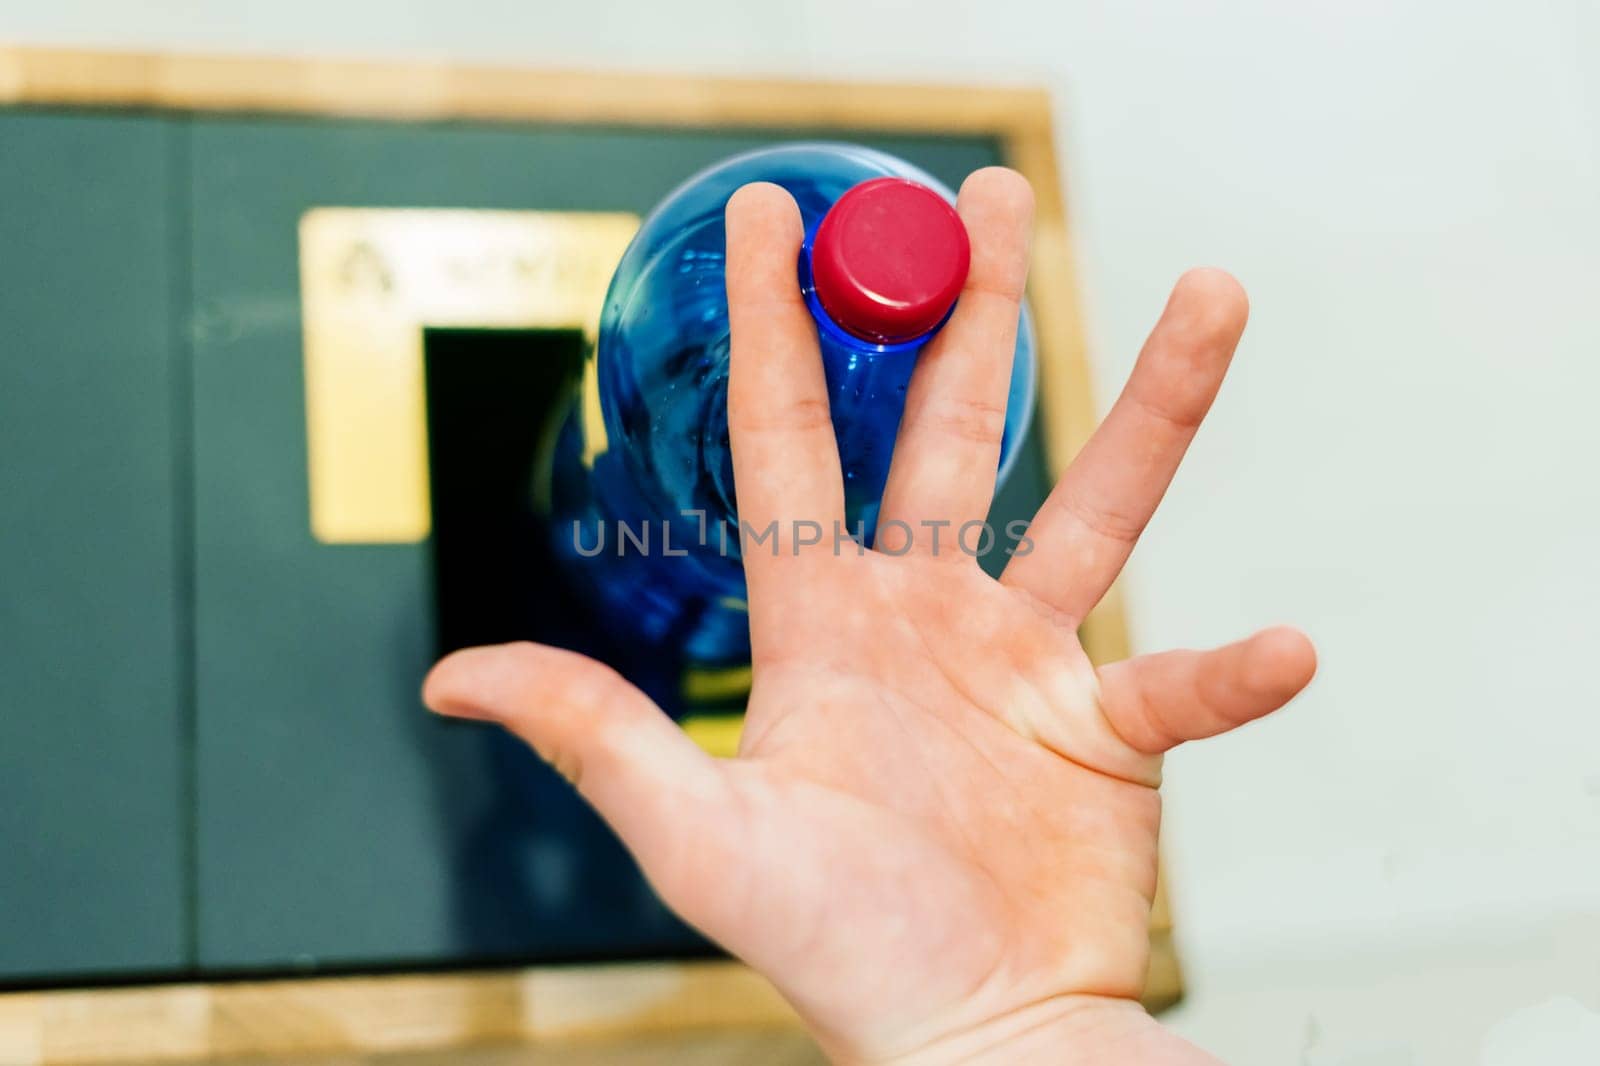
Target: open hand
[939,837]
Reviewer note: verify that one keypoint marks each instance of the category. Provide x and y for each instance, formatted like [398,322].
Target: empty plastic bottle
[644,503]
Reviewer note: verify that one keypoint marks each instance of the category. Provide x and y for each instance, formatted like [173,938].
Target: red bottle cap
[889,260]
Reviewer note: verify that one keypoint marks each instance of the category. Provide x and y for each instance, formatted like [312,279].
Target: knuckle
[1112,523]
[796,416]
[1183,411]
[596,688]
[966,418]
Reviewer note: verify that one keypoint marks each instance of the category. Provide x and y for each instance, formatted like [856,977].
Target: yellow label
[718,734]
[371,279]
[716,685]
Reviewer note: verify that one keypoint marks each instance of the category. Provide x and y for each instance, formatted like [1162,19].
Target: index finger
[785,458]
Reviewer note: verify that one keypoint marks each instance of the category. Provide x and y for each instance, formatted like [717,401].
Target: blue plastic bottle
[643,504]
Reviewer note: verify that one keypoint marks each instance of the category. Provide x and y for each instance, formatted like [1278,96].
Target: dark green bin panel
[340,825]
[92,802]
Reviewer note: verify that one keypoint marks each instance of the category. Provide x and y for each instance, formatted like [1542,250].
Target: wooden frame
[413,1011]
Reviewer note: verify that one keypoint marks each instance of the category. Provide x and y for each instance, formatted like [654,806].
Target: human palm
[939,837]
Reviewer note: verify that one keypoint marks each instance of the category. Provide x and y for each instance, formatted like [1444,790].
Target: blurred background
[1404,867]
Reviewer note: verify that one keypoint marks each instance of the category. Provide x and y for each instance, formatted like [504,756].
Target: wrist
[1061,1031]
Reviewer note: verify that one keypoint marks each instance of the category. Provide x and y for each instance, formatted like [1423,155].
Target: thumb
[654,786]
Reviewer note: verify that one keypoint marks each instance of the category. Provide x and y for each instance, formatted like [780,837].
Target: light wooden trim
[415,1011]
[407,1012]
[387,1013]
[421,90]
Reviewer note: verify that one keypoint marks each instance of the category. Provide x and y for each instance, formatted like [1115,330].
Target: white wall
[1404,463]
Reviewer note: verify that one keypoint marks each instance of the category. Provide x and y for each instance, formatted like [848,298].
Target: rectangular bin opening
[495,399]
